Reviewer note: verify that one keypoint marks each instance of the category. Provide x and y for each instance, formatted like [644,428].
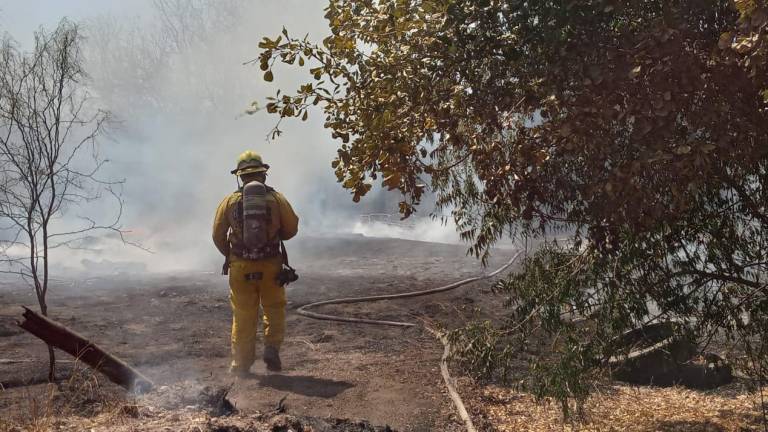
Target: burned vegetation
[619,148]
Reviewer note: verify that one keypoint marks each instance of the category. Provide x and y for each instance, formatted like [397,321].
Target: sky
[177,93]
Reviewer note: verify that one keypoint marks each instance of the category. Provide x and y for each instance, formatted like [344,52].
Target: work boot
[272,358]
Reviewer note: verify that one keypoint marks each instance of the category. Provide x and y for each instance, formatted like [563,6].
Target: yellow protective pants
[245,297]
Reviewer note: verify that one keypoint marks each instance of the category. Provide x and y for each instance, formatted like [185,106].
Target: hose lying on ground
[439,335]
[303,309]
[452,392]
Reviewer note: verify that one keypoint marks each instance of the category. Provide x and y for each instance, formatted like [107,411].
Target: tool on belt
[287,273]
[225,267]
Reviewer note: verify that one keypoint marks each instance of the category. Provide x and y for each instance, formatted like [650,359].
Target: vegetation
[49,161]
[636,129]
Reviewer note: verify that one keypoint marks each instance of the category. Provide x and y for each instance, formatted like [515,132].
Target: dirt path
[175,328]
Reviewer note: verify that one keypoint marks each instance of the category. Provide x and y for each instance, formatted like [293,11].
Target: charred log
[57,335]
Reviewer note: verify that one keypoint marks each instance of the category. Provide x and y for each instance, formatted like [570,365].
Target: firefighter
[248,229]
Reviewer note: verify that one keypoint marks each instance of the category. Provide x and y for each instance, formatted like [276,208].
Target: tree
[639,129]
[48,156]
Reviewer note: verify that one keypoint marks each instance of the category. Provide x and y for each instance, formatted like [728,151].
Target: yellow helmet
[249,162]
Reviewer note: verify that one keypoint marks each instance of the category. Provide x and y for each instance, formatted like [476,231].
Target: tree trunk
[51,353]
[56,334]
[51,364]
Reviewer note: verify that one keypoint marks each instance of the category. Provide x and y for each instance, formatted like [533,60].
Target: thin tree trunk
[51,364]
[51,353]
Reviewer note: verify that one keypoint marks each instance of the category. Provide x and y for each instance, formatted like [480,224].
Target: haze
[172,75]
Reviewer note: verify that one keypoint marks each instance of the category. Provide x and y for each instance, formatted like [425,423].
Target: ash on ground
[192,406]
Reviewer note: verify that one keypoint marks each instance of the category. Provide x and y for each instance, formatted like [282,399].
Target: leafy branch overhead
[562,113]
[638,128]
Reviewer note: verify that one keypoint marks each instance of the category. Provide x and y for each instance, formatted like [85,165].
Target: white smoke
[177,82]
[172,73]
[421,229]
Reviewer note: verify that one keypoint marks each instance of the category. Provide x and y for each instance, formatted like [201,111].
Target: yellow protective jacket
[227,233]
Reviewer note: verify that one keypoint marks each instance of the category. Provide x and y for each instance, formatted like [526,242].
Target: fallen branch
[59,336]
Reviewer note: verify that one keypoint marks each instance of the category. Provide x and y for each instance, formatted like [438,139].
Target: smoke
[421,229]
[176,81]
[172,74]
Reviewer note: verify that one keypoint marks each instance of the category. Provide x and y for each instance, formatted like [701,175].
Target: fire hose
[449,382]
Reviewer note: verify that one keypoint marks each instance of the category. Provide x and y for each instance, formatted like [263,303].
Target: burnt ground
[175,328]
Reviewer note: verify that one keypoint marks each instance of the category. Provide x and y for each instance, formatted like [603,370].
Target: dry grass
[82,395]
[37,414]
[626,408]
[84,402]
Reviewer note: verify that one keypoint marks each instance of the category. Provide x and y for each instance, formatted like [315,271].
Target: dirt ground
[175,329]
